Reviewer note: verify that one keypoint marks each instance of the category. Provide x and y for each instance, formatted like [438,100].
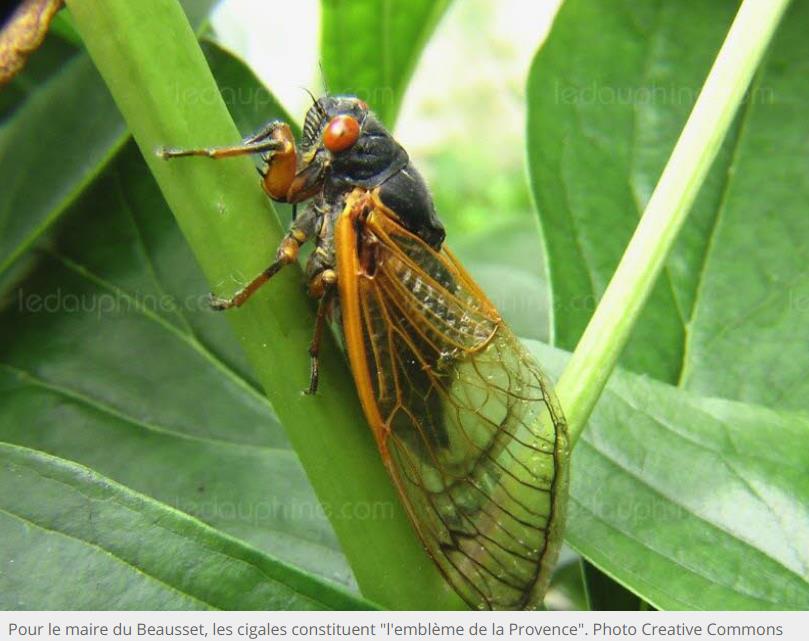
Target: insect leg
[327,280]
[300,231]
[272,137]
[224,152]
[267,131]
[287,253]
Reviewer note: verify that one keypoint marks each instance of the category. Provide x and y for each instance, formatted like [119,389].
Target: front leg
[274,142]
[270,138]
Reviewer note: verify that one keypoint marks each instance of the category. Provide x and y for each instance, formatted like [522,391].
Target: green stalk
[149,58]
[604,338]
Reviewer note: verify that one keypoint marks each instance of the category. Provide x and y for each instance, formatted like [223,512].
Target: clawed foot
[219,304]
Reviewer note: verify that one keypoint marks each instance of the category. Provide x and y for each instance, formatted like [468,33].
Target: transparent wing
[466,422]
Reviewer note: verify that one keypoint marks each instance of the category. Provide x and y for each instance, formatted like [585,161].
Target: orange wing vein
[465,421]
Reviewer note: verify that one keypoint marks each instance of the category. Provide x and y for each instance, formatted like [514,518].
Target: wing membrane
[465,420]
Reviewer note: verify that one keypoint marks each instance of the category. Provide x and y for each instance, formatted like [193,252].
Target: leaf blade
[751,305]
[125,539]
[148,374]
[671,496]
[598,139]
[72,148]
[371,47]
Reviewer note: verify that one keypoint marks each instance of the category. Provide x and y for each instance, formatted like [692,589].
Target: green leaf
[608,94]
[369,48]
[54,52]
[197,12]
[691,502]
[109,355]
[503,261]
[119,274]
[71,148]
[77,129]
[748,334]
[59,520]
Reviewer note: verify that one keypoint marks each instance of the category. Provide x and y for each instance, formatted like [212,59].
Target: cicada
[465,421]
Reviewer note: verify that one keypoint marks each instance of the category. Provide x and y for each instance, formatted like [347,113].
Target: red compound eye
[341,133]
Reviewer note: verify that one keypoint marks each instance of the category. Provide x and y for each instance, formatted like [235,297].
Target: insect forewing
[465,420]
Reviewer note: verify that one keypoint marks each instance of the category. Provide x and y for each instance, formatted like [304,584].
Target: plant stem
[604,338]
[149,58]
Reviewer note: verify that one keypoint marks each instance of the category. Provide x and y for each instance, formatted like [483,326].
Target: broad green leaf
[110,357]
[607,96]
[77,129]
[53,53]
[369,48]
[503,260]
[205,438]
[748,334]
[64,526]
[692,502]
[42,179]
